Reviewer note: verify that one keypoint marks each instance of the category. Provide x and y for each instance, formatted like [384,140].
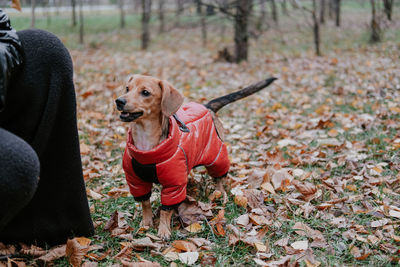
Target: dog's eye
[127,89]
[145,93]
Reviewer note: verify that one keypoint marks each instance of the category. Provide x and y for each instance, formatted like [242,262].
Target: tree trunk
[33,19]
[388,8]
[122,13]
[261,20]
[337,12]
[375,29]
[316,29]
[46,4]
[161,28]
[322,12]
[146,13]
[284,7]
[241,29]
[179,10]
[81,30]
[274,11]
[331,7]
[203,22]
[73,5]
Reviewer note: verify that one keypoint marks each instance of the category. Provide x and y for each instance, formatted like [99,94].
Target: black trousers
[39,138]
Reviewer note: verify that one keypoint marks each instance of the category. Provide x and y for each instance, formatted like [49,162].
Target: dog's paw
[164,232]
[146,223]
[147,220]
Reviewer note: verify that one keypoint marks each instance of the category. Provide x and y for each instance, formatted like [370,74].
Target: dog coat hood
[170,162]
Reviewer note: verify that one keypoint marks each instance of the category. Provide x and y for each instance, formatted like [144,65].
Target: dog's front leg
[164,229]
[147,214]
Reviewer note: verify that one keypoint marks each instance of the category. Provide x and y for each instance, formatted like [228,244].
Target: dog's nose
[120,102]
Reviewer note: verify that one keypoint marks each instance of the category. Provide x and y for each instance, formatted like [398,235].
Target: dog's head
[148,97]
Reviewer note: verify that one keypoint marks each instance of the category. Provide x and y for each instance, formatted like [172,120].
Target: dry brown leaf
[184,245]
[256,178]
[220,230]
[16,4]
[32,250]
[241,201]
[194,228]
[118,192]
[142,243]
[90,264]
[280,179]
[215,195]
[255,198]
[300,245]
[85,149]
[188,258]
[308,190]
[260,247]
[191,211]
[139,264]
[243,220]
[53,254]
[76,249]
[6,249]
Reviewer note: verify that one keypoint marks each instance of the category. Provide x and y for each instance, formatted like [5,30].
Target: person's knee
[19,169]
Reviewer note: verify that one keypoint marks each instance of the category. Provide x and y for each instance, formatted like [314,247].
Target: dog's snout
[120,102]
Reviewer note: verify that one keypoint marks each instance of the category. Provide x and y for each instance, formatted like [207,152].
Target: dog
[166,139]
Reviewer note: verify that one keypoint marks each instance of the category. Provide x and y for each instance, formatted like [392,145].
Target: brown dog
[149,104]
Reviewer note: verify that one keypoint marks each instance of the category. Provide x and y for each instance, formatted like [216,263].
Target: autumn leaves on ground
[315,161]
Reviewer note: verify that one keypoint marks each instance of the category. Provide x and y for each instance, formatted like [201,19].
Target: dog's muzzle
[120,102]
[126,116]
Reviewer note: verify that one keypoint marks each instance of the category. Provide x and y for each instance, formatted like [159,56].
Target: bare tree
[388,8]
[284,7]
[161,28]
[261,20]
[331,7]
[73,5]
[33,18]
[322,12]
[375,29]
[81,29]
[122,13]
[179,11]
[146,13]
[241,18]
[337,12]
[316,29]
[274,11]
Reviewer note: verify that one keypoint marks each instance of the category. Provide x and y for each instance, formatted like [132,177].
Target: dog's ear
[171,99]
[130,78]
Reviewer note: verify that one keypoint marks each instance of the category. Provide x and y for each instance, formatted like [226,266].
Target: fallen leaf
[76,249]
[53,254]
[184,245]
[140,264]
[280,179]
[243,220]
[194,228]
[300,245]
[379,223]
[241,201]
[308,190]
[188,258]
[31,250]
[16,4]
[6,249]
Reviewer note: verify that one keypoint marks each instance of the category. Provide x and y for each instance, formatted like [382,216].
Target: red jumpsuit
[170,162]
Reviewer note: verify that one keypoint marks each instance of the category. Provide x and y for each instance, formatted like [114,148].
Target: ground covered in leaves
[315,173]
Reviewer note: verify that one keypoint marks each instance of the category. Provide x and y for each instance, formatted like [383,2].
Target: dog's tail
[218,103]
